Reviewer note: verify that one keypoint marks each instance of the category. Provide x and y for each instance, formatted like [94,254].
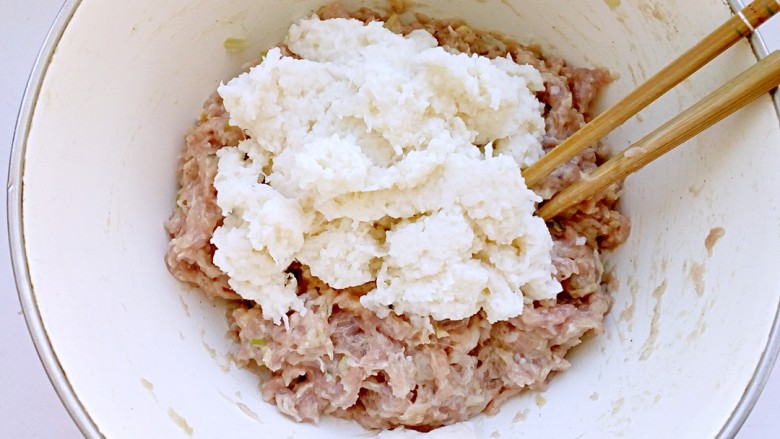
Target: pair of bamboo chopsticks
[745,88]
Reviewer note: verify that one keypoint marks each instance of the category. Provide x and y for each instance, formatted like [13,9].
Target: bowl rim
[32,316]
[34,321]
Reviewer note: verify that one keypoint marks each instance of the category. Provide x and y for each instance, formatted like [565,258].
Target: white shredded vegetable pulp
[376,157]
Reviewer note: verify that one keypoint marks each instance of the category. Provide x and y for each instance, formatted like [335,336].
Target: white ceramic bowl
[134,354]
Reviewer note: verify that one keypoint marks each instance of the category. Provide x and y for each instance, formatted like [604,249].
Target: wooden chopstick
[739,26]
[740,91]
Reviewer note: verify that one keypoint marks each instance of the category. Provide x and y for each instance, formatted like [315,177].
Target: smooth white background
[29,407]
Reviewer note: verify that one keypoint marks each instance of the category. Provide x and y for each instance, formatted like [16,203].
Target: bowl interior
[148,357]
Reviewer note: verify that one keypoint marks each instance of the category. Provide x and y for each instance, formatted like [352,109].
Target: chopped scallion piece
[235,45]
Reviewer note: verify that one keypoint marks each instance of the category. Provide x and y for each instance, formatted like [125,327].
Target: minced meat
[340,359]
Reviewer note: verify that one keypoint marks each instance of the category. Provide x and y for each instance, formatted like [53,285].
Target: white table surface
[29,407]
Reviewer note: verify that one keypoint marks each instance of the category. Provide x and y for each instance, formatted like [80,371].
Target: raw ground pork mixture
[341,359]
